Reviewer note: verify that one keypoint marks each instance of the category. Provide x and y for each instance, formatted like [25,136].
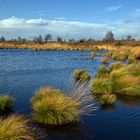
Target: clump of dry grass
[123,79]
[101,86]
[120,56]
[14,128]
[50,106]
[5,103]
[81,75]
[107,99]
[104,60]
[116,65]
[102,72]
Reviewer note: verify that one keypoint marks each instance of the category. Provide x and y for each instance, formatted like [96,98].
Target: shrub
[102,72]
[5,103]
[116,65]
[107,99]
[53,108]
[81,75]
[101,86]
[104,60]
[14,128]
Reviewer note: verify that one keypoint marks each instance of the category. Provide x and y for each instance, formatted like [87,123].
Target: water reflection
[129,101]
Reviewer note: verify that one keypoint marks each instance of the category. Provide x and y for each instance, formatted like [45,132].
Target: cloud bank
[28,28]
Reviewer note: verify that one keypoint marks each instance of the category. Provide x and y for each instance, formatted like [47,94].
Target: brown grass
[97,45]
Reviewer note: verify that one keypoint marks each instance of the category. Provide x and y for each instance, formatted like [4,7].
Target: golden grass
[14,128]
[97,45]
[51,107]
[5,104]
[107,99]
[81,75]
[104,60]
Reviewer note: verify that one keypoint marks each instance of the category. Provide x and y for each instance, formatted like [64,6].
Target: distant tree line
[109,36]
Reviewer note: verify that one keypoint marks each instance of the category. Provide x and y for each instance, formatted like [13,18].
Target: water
[24,71]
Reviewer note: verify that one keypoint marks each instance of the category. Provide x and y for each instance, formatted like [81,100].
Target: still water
[24,71]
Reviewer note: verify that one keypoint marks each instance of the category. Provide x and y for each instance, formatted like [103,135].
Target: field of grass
[97,45]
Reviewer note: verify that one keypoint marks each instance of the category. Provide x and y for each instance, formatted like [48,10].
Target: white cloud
[135,13]
[13,27]
[113,8]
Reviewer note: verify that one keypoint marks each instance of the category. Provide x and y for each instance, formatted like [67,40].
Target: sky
[70,18]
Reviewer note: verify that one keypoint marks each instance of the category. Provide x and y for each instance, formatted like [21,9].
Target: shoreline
[100,45]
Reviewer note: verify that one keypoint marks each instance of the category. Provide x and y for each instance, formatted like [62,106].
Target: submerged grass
[14,128]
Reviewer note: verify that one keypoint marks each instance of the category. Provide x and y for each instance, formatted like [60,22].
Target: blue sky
[70,18]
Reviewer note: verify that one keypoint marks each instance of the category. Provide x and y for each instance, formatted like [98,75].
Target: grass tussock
[51,107]
[81,75]
[101,86]
[102,72]
[132,60]
[55,108]
[116,65]
[45,92]
[122,79]
[119,56]
[5,103]
[107,99]
[104,60]
[14,128]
